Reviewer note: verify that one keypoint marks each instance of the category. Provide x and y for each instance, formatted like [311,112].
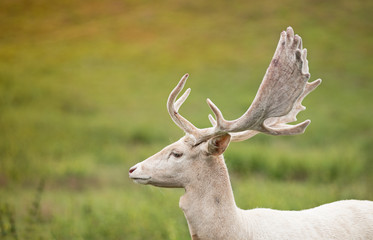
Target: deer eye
[176,154]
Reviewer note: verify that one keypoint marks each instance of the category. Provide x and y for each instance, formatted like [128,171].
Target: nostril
[132,169]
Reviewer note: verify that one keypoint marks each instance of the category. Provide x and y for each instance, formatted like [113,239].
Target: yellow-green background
[83,89]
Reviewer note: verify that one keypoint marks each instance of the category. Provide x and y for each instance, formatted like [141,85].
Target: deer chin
[164,184]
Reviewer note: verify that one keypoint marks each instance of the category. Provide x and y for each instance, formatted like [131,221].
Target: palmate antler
[276,103]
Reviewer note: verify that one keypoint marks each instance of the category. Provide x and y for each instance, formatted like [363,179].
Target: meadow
[83,91]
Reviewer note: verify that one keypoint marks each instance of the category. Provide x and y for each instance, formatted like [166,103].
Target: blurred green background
[83,90]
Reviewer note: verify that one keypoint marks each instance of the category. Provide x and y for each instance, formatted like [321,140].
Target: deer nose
[132,169]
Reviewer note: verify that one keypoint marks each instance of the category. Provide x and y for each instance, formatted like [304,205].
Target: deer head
[276,104]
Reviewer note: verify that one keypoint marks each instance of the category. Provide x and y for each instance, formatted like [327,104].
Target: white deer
[195,163]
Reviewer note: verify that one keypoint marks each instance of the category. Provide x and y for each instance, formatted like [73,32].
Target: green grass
[83,89]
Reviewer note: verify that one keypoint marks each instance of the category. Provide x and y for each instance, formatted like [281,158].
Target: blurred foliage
[83,88]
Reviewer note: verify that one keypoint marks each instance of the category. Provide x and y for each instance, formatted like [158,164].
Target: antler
[173,107]
[277,102]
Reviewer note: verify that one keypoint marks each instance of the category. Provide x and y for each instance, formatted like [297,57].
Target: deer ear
[217,145]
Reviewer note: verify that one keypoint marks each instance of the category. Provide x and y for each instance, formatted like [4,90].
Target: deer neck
[208,203]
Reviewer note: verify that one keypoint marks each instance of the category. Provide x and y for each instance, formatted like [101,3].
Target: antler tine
[236,137]
[279,97]
[173,107]
[212,120]
[242,136]
[218,115]
[182,99]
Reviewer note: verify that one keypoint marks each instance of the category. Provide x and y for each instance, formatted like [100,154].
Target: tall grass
[82,98]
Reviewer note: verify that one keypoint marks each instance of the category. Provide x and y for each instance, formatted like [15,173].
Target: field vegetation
[83,90]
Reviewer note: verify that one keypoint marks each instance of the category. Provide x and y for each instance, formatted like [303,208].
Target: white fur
[195,163]
[348,219]
[211,211]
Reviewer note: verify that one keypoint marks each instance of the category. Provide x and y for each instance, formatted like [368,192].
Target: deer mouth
[141,180]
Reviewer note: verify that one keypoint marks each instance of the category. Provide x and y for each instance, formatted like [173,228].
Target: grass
[82,98]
